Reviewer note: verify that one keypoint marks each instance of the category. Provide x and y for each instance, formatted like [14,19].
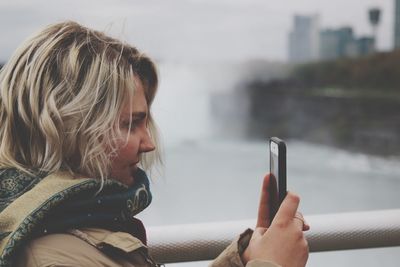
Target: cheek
[129,149]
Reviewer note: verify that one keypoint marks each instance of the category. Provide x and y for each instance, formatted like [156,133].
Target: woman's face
[135,140]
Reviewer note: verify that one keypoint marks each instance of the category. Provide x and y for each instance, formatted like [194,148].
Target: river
[208,177]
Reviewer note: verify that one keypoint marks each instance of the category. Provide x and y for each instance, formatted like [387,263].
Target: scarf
[33,206]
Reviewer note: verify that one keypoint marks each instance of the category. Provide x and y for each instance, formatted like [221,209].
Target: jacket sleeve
[230,257]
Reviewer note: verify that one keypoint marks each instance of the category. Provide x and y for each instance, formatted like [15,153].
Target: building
[304,39]
[397,24]
[308,43]
[337,43]
[366,45]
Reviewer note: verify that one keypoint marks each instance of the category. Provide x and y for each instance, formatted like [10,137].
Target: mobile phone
[277,165]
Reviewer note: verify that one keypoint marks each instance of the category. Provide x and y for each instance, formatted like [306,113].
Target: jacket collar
[33,206]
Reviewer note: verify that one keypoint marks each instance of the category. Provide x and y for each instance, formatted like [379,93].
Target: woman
[75,123]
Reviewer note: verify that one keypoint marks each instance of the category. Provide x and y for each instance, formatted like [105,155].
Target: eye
[137,120]
[132,125]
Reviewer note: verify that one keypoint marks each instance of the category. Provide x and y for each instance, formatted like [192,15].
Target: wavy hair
[61,95]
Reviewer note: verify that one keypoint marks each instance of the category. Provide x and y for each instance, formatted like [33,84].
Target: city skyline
[195,30]
[308,42]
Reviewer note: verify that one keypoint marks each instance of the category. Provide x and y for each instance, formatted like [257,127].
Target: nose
[147,144]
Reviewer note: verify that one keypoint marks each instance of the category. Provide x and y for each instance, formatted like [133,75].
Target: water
[217,180]
[210,177]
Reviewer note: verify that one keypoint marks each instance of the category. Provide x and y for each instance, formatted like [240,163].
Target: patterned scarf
[33,206]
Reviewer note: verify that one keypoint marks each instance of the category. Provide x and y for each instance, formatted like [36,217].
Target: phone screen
[274,164]
[278,174]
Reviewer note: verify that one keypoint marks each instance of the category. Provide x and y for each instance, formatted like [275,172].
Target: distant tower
[304,39]
[397,24]
[374,19]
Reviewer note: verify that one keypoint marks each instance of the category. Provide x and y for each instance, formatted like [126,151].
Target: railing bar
[340,231]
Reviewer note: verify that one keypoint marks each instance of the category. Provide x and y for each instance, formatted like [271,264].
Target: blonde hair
[62,93]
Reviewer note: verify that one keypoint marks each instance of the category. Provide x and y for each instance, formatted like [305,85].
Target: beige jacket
[98,247]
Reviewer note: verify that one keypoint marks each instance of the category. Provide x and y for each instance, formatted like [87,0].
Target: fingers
[259,231]
[288,208]
[300,219]
[286,213]
[263,218]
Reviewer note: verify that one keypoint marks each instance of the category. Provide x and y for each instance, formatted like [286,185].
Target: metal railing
[340,231]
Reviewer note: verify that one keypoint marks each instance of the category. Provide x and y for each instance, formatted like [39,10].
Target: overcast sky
[193,30]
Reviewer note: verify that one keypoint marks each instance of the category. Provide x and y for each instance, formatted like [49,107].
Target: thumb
[288,208]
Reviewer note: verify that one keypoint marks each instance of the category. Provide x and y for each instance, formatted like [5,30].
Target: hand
[283,242]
